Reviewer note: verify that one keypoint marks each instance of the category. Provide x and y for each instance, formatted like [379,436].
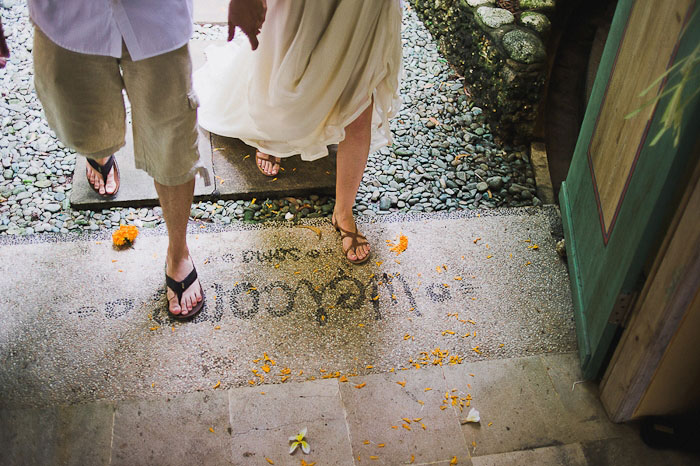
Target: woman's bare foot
[179,270]
[347,222]
[95,178]
[269,165]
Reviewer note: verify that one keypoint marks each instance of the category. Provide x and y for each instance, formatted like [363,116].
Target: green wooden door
[616,199]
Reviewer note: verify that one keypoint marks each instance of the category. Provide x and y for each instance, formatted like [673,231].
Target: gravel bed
[444,157]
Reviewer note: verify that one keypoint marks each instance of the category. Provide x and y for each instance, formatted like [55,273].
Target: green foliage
[687,69]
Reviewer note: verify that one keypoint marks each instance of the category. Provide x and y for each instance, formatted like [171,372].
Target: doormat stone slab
[136,188]
[238,177]
[82,321]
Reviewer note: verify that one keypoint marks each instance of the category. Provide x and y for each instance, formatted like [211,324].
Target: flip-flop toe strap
[103,169]
[180,287]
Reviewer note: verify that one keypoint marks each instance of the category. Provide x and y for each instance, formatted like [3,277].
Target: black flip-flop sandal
[104,170]
[179,288]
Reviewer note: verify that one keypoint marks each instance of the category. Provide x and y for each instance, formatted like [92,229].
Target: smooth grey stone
[385,203]
[536,21]
[495,182]
[524,46]
[494,17]
[482,186]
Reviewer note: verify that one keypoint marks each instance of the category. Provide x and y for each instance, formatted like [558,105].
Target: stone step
[529,416]
[136,186]
[95,373]
[466,284]
[238,177]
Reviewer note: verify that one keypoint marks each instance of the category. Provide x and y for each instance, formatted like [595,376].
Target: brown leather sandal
[354,244]
[268,158]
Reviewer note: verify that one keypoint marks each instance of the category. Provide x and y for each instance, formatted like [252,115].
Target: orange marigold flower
[400,246]
[125,235]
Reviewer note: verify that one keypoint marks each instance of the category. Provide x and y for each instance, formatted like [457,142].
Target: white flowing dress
[318,67]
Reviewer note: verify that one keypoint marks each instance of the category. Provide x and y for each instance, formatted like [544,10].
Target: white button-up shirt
[97,27]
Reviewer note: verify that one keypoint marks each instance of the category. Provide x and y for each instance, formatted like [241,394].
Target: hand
[248,15]
[4,50]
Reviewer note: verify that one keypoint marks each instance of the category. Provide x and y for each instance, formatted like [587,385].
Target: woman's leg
[352,159]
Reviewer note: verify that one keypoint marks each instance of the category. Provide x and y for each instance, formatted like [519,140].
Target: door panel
[648,45]
[613,199]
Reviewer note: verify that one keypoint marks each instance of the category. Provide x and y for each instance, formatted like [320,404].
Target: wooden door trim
[661,308]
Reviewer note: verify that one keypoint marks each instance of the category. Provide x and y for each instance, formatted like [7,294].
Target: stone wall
[501,55]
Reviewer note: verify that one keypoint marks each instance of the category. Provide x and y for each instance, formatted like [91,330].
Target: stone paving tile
[519,407]
[238,177]
[630,451]
[585,416]
[263,418]
[65,435]
[136,186]
[173,431]
[569,455]
[375,415]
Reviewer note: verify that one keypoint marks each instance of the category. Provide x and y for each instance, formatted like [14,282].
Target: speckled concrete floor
[84,322]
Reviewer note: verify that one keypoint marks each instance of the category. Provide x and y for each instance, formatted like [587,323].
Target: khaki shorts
[83,102]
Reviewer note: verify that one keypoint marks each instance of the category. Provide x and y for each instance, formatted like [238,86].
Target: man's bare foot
[268,164]
[178,271]
[95,178]
[347,222]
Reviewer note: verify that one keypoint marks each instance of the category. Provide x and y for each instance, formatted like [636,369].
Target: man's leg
[176,202]
[164,119]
